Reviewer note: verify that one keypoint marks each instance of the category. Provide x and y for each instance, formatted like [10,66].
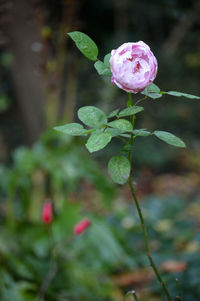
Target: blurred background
[44,80]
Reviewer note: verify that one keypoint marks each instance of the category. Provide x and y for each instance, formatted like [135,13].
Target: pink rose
[82,226]
[133,66]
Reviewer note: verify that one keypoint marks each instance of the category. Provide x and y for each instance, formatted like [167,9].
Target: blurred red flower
[82,226]
[47,212]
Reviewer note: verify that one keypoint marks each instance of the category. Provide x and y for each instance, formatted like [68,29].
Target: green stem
[132,293]
[179,290]
[135,296]
[147,248]
[137,102]
[52,269]
[142,222]
[140,215]
[130,99]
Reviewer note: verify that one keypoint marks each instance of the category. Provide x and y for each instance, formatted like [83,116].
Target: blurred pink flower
[47,212]
[82,226]
[133,66]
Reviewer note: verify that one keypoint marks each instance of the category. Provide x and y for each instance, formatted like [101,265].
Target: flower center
[137,68]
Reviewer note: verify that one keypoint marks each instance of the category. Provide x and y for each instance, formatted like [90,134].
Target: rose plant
[133,68]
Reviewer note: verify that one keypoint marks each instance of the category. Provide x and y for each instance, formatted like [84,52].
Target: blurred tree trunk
[25,46]
[67,99]
[60,75]
[44,69]
[67,103]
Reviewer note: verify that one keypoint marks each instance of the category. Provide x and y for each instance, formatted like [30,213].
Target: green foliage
[113,113]
[119,169]
[85,44]
[126,148]
[132,110]
[4,102]
[180,94]
[73,129]
[6,59]
[101,131]
[92,116]
[107,59]
[56,168]
[13,290]
[113,132]
[98,141]
[85,263]
[169,138]
[102,69]
[121,124]
[152,91]
[141,132]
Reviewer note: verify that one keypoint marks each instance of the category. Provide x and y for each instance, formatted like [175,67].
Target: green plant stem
[179,290]
[142,222]
[55,250]
[53,266]
[130,99]
[137,102]
[147,248]
[133,294]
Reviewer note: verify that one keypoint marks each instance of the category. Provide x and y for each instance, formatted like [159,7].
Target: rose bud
[133,66]
[47,212]
[82,226]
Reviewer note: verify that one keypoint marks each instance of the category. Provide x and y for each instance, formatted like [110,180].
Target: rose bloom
[82,226]
[47,212]
[133,66]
